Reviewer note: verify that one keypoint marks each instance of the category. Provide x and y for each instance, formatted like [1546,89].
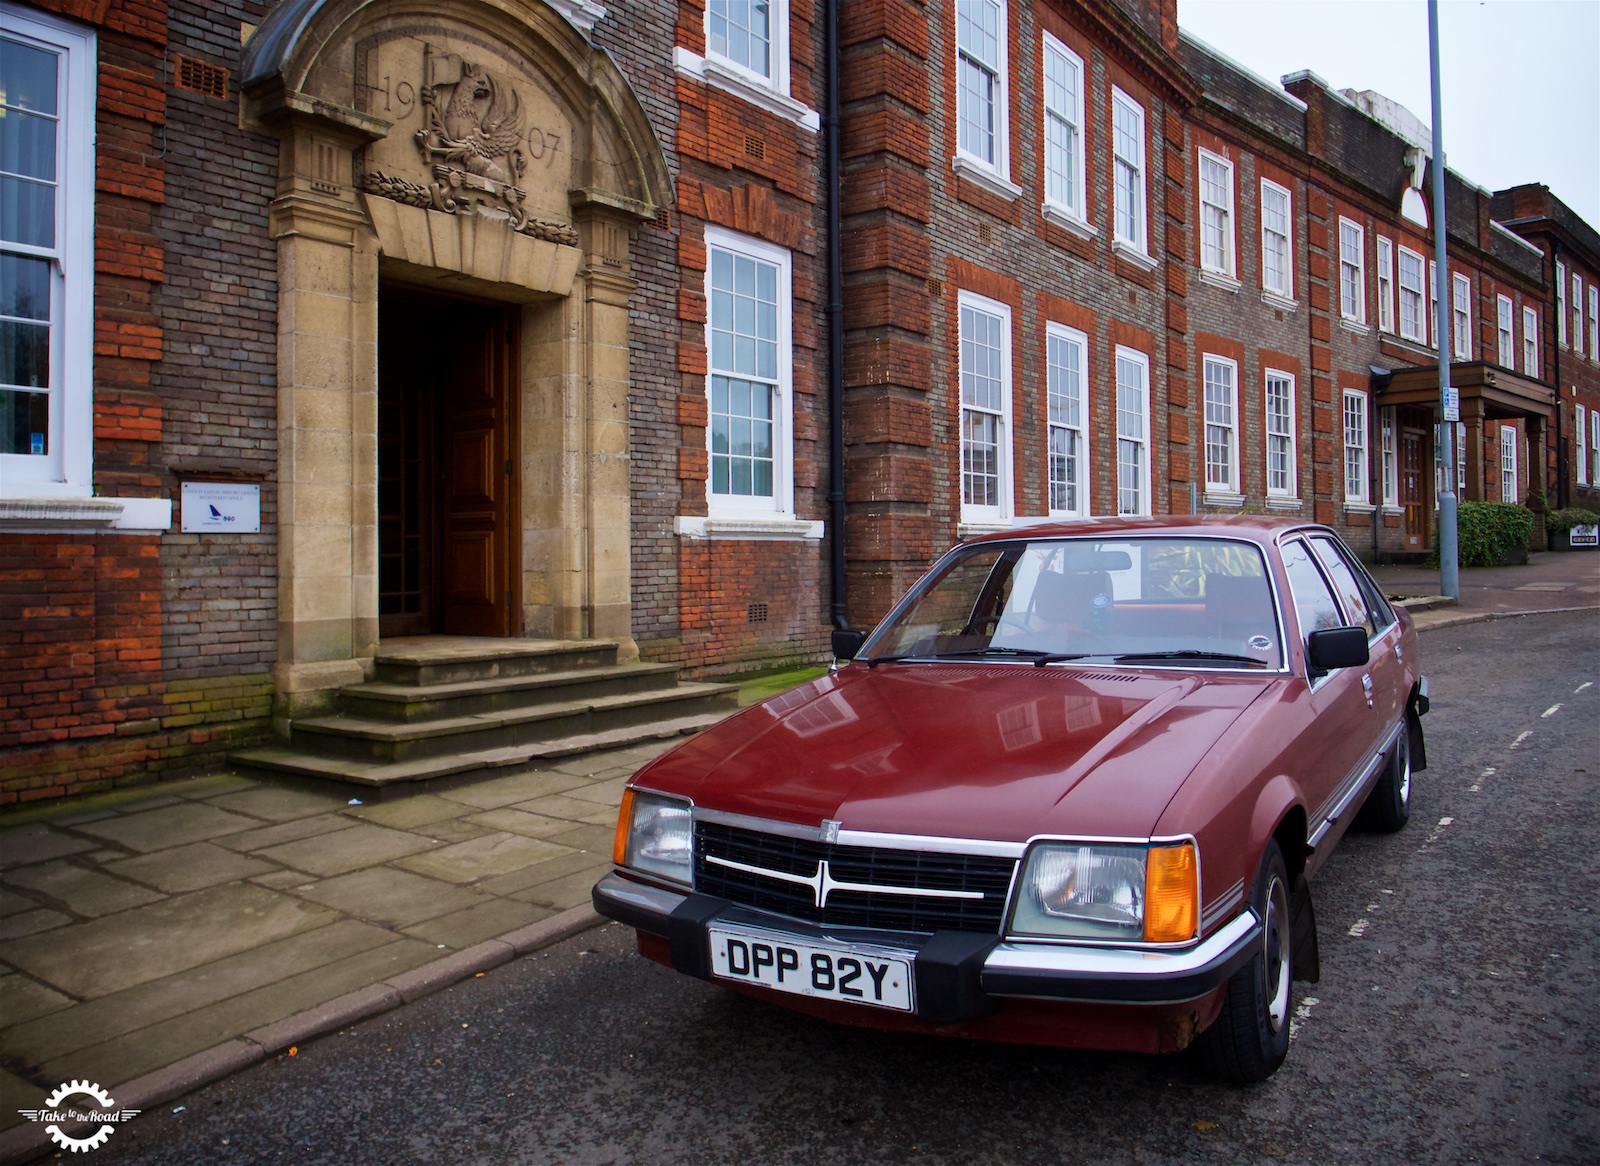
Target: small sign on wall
[234,507]
[1584,536]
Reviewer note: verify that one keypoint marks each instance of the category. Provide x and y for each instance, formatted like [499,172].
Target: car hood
[1000,752]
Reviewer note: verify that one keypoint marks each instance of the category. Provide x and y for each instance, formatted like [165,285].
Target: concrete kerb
[27,1142]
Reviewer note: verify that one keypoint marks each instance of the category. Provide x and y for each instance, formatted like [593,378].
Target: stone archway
[484,147]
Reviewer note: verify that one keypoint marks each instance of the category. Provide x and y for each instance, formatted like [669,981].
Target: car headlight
[1080,890]
[655,833]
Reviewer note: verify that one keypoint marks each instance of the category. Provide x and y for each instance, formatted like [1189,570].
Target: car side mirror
[1333,648]
[847,644]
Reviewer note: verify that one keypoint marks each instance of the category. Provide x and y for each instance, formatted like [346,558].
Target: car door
[1341,728]
[1363,604]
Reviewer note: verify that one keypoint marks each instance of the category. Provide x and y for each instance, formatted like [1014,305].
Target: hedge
[1487,531]
[1562,520]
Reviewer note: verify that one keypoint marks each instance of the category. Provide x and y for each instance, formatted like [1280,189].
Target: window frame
[1227,481]
[1594,321]
[1580,431]
[1060,334]
[1227,263]
[1287,290]
[1139,240]
[1358,398]
[1461,314]
[1075,208]
[1359,267]
[1561,303]
[1510,484]
[777,48]
[1386,317]
[1140,440]
[780,503]
[1433,300]
[67,469]
[1530,341]
[1389,458]
[1577,312]
[1505,331]
[999,167]
[1419,334]
[983,514]
[1291,490]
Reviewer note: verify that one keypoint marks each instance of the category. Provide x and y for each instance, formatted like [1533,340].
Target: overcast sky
[1520,79]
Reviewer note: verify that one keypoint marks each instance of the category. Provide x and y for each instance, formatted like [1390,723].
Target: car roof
[1258,528]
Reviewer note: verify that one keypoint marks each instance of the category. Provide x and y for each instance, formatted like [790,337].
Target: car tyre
[1250,1037]
[1388,806]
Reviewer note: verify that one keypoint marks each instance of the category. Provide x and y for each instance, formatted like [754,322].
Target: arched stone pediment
[504,103]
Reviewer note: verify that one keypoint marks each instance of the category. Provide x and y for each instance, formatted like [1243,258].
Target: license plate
[852,975]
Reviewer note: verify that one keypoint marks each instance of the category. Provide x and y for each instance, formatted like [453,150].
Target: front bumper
[957,974]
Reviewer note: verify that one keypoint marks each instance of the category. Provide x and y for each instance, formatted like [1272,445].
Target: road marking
[1522,737]
[1581,687]
[1302,1014]
[1478,785]
[1550,712]
[1434,837]
[1358,928]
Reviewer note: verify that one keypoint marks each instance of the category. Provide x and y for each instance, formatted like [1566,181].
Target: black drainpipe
[834,310]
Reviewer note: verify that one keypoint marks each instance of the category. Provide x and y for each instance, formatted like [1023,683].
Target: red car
[1069,792]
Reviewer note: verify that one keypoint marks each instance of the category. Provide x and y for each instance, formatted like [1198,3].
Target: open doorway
[447,464]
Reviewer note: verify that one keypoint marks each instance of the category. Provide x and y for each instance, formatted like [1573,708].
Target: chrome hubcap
[1276,952]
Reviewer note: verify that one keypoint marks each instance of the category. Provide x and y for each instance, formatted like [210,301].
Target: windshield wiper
[1038,656]
[1190,654]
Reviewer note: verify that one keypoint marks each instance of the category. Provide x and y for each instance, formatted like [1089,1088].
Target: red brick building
[337,322]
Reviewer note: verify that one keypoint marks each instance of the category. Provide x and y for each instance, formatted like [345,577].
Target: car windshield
[1187,601]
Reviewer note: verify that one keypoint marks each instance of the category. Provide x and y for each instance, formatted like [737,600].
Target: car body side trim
[1369,775]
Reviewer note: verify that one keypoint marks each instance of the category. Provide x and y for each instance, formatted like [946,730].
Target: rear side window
[1314,606]
[1362,601]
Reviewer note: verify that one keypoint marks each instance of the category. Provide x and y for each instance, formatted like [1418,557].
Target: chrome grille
[876,865]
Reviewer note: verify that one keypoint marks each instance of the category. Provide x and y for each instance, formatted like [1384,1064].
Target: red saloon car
[1069,792]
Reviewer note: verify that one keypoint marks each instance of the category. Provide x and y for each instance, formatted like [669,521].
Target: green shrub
[1563,520]
[1486,531]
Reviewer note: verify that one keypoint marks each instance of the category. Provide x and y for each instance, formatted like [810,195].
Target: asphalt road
[1455,1020]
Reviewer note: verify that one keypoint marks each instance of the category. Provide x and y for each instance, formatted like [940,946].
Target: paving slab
[602,793]
[11,903]
[143,1005]
[189,868]
[410,813]
[454,830]
[572,809]
[493,854]
[197,1030]
[485,921]
[286,832]
[37,842]
[171,825]
[83,892]
[542,872]
[15,1094]
[394,898]
[347,850]
[560,893]
[23,999]
[594,765]
[279,879]
[529,825]
[503,791]
[595,839]
[25,923]
[162,939]
[277,803]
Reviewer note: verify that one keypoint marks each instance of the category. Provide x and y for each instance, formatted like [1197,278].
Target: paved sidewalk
[155,939]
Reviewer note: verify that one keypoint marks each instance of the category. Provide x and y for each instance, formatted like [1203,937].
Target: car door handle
[1366,686]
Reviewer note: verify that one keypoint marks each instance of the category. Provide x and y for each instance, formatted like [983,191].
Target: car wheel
[1389,804]
[1250,1037]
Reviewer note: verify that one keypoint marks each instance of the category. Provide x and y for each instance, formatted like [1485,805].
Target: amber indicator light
[1171,894]
[619,845]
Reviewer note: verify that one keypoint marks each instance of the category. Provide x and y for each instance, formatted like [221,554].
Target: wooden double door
[447,482]
[1416,475]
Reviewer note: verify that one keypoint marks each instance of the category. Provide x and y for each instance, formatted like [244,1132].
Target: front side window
[749,328]
[980,91]
[1133,432]
[1222,434]
[1314,606]
[1508,463]
[985,409]
[1355,446]
[1127,143]
[46,166]
[741,32]
[1063,128]
[1385,285]
[1413,312]
[1352,271]
[1066,361]
[1280,435]
[1216,214]
[1277,252]
[1530,341]
[1503,330]
[1461,305]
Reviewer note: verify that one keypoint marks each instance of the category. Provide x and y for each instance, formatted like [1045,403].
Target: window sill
[985,177]
[1067,221]
[1220,498]
[966,530]
[85,515]
[1354,326]
[1359,507]
[730,81]
[774,529]
[1220,279]
[1125,250]
[1274,300]
[1284,503]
